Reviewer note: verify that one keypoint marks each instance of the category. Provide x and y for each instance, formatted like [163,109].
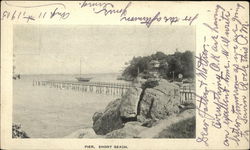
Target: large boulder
[96,116]
[129,102]
[110,119]
[130,130]
[160,101]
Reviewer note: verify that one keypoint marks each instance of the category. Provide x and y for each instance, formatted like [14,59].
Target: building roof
[154,62]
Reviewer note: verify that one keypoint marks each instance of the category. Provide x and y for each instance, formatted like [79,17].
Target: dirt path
[164,124]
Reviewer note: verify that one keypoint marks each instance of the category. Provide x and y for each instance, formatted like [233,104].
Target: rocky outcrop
[129,103]
[83,133]
[96,116]
[160,101]
[138,109]
[130,130]
[110,119]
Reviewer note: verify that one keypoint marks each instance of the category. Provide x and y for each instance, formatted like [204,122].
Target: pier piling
[187,94]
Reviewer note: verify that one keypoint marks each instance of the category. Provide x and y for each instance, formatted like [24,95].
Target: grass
[183,129]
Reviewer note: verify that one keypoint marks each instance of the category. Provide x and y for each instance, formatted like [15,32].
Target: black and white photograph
[124,75]
[103,81]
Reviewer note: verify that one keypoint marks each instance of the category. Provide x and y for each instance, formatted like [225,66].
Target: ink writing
[222,74]
[24,13]
[107,9]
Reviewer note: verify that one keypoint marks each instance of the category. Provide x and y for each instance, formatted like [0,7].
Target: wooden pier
[187,94]
[97,87]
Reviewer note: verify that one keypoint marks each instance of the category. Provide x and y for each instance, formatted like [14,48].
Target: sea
[45,112]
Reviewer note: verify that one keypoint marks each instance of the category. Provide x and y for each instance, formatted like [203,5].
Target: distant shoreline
[70,74]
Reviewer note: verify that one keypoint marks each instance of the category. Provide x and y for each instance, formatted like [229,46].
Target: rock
[87,133]
[149,123]
[142,119]
[130,130]
[154,103]
[96,116]
[160,101]
[186,106]
[83,133]
[110,119]
[129,102]
[187,113]
[168,88]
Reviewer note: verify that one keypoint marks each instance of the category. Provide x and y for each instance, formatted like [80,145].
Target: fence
[187,94]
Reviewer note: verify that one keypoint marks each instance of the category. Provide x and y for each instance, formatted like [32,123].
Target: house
[154,65]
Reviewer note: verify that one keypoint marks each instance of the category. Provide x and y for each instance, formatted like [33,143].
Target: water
[47,112]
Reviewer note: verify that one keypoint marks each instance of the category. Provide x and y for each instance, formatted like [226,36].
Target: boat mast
[80,66]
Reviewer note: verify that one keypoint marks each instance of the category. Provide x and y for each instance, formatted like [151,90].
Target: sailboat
[81,78]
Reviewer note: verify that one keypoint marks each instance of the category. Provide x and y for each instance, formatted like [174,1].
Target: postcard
[124,75]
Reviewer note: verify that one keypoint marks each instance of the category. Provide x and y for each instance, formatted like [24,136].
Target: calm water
[47,112]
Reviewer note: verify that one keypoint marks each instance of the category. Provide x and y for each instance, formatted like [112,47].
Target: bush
[150,84]
[17,132]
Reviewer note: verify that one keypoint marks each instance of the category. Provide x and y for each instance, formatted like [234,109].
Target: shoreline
[70,97]
[117,120]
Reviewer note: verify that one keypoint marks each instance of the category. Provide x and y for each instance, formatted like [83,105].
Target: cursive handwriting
[24,13]
[95,4]
[108,8]
[203,133]
[202,65]
[223,62]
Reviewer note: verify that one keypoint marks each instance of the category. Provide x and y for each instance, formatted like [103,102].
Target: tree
[179,63]
[188,61]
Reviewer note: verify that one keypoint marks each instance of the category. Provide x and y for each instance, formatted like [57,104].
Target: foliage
[17,132]
[150,84]
[137,63]
[179,63]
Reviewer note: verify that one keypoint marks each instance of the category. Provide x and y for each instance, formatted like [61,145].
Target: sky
[57,49]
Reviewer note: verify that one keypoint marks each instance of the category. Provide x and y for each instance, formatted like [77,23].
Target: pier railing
[187,93]
[97,87]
